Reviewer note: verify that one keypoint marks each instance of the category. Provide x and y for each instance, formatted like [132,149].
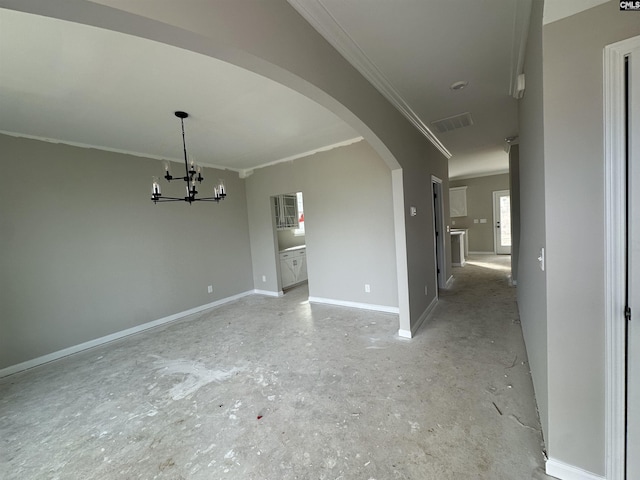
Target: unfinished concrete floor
[276,388]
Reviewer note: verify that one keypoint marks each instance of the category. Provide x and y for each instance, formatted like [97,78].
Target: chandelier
[193,177]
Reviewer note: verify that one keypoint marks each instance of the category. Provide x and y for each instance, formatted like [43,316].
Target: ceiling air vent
[451,123]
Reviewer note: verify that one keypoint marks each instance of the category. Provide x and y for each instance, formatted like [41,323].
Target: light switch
[475,220]
[541,259]
[483,220]
[413,211]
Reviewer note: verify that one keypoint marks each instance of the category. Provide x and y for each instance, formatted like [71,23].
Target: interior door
[633,252]
[502,222]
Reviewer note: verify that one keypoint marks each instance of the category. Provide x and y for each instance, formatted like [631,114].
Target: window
[298,232]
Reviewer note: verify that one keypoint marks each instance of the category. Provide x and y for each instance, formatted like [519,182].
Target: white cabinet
[293,267]
[286,211]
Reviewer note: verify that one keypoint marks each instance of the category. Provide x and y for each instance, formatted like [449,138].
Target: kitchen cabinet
[293,266]
[286,211]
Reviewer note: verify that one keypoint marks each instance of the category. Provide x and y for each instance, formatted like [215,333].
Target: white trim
[115,336]
[482,253]
[412,333]
[400,235]
[564,471]
[326,148]
[269,293]
[242,172]
[404,333]
[450,281]
[361,306]
[319,17]
[458,264]
[519,43]
[109,149]
[615,188]
[502,171]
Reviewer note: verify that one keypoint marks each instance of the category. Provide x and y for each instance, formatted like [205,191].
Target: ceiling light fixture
[193,176]
[455,86]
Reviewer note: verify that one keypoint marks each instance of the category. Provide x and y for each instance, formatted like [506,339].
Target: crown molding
[521,20]
[319,17]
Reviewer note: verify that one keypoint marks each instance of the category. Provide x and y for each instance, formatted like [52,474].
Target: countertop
[292,249]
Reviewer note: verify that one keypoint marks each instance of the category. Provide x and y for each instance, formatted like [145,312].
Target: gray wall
[574,171]
[348,224]
[85,253]
[480,205]
[532,285]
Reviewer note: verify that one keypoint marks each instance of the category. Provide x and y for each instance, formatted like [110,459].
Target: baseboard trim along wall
[423,317]
[269,293]
[449,282]
[482,253]
[116,336]
[362,306]
[564,471]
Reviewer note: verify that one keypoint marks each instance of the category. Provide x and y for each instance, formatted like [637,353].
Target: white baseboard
[363,306]
[564,471]
[115,336]
[449,282]
[482,253]
[458,264]
[410,334]
[268,293]
[424,316]
[404,333]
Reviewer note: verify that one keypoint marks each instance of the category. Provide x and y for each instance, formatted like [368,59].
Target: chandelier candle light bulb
[193,175]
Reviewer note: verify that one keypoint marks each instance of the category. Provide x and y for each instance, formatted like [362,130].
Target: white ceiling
[83,85]
[559,9]
[416,49]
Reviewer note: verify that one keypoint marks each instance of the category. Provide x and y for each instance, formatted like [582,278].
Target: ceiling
[87,86]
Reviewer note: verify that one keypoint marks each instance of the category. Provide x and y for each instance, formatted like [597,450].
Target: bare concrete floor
[275,388]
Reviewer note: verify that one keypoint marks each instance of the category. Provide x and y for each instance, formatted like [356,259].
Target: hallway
[276,388]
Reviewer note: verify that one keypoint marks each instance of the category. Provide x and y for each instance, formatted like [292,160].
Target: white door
[633,209]
[502,222]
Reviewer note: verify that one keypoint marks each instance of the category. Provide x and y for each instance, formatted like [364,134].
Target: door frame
[495,195]
[438,219]
[615,257]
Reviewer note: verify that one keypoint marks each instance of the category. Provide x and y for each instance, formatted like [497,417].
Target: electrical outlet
[210,288]
[367,288]
[264,278]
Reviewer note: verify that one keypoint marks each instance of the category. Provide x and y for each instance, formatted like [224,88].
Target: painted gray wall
[348,224]
[480,205]
[84,252]
[532,286]
[574,171]
[288,50]
[514,188]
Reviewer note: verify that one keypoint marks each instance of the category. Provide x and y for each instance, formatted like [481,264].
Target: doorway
[502,222]
[289,225]
[622,279]
[438,230]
